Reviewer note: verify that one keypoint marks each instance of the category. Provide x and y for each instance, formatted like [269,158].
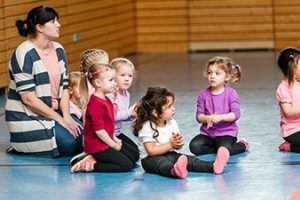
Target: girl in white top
[159,136]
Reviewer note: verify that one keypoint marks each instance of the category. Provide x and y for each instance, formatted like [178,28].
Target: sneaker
[85,165]
[77,158]
[180,167]
[286,146]
[245,142]
[221,160]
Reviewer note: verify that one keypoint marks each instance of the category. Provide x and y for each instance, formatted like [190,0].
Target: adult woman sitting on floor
[37,108]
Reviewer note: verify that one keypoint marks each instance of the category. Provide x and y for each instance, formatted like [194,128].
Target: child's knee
[127,166]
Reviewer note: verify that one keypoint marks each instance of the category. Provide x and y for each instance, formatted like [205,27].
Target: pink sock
[221,160]
[179,169]
[245,142]
[285,146]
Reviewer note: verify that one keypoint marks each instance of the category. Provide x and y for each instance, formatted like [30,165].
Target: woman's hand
[72,126]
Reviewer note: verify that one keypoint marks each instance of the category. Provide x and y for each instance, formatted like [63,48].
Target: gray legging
[202,144]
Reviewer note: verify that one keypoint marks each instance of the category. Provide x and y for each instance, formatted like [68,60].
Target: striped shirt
[30,132]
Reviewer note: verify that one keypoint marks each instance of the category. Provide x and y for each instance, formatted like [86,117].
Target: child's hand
[177,141]
[115,91]
[209,121]
[213,119]
[216,118]
[115,98]
[132,111]
[117,140]
[117,146]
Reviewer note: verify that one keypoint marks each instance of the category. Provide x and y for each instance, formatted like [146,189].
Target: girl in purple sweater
[218,109]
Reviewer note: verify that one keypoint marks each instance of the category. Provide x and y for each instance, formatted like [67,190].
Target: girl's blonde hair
[119,62]
[94,72]
[226,64]
[74,79]
[91,56]
[87,59]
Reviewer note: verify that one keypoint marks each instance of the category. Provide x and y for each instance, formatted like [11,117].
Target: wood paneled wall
[162,25]
[126,26]
[230,24]
[182,25]
[104,24]
[286,23]
[3,53]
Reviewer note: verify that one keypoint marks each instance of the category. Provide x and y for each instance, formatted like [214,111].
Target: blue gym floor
[262,173]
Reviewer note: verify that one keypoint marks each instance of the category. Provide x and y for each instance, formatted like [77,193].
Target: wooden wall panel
[162,25]
[3,56]
[103,24]
[230,24]
[287,20]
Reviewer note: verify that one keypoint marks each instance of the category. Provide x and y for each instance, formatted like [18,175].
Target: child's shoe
[286,146]
[180,167]
[221,160]
[245,142]
[84,165]
[75,159]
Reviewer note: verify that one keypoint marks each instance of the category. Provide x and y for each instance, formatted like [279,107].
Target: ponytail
[21,28]
[235,72]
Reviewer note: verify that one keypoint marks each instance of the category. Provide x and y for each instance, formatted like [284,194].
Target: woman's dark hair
[154,99]
[38,15]
[287,60]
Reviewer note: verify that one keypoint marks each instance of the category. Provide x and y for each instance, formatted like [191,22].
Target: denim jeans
[67,145]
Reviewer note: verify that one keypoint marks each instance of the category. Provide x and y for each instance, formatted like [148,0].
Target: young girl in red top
[104,151]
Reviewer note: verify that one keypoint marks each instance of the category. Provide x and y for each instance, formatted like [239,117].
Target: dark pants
[67,145]
[294,140]
[164,164]
[130,146]
[202,144]
[112,160]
